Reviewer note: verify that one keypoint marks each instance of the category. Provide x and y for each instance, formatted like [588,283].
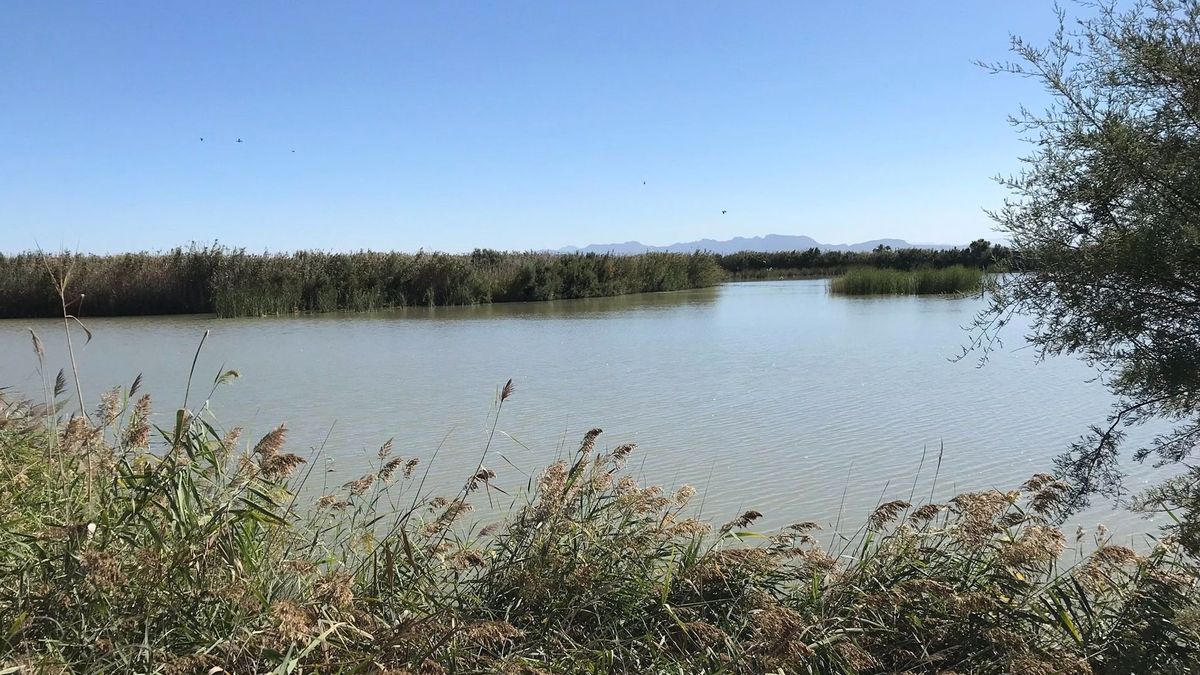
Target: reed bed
[926,281]
[127,546]
[234,283]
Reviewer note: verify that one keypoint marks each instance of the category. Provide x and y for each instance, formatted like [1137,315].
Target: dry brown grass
[194,551]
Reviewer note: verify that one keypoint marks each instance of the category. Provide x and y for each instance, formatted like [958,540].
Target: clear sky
[451,125]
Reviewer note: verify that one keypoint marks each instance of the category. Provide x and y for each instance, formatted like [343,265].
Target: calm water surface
[770,395]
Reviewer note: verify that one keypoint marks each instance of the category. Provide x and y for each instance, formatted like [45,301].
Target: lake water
[768,395]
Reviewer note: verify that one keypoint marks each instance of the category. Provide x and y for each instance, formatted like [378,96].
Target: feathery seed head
[622,451]
[110,407]
[743,520]
[683,495]
[385,450]
[277,466]
[492,633]
[1036,545]
[589,441]
[231,438]
[385,473]
[328,501]
[38,348]
[410,466]
[336,588]
[137,433]
[885,513]
[272,443]
[293,623]
[626,485]
[481,476]
[925,512]
[1037,481]
[361,485]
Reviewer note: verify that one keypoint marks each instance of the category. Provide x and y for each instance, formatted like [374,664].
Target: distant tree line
[980,254]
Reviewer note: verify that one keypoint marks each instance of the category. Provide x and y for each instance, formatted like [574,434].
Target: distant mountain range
[767,244]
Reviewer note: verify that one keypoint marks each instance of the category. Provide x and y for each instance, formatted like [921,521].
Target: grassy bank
[187,549]
[872,281]
[234,283]
[231,282]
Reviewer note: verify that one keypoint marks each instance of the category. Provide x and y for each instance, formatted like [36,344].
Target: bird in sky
[239,140]
[201,139]
[723,211]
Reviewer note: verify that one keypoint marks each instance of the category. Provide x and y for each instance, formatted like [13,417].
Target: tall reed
[231,282]
[190,550]
[874,281]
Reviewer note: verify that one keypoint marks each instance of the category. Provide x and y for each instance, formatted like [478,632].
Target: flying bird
[239,140]
[201,139]
[723,211]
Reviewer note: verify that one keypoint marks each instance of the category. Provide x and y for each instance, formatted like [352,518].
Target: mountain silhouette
[768,244]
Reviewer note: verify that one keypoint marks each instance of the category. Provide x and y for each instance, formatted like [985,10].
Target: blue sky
[515,125]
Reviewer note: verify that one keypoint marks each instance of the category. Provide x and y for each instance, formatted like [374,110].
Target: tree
[1105,220]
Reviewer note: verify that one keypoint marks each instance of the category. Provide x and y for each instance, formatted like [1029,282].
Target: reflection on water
[555,309]
[768,395]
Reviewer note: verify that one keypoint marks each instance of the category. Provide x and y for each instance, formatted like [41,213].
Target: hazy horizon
[549,249]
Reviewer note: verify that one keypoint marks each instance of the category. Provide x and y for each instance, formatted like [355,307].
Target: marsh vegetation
[189,548]
[925,281]
[225,282]
[229,282]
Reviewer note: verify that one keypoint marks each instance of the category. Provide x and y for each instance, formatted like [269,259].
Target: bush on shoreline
[186,549]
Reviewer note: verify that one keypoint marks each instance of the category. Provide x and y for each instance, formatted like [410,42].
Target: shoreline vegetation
[188,549]
[956,280]
[231,282]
